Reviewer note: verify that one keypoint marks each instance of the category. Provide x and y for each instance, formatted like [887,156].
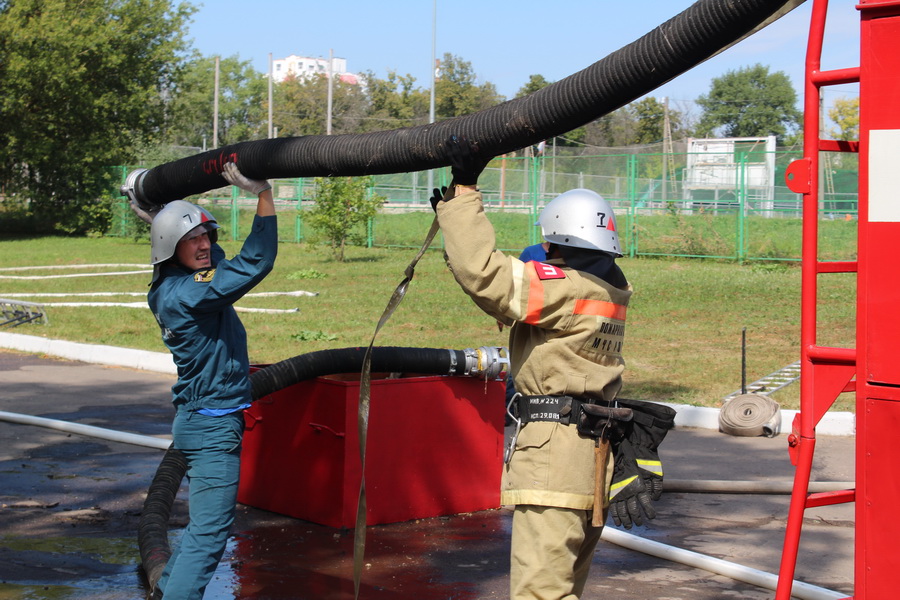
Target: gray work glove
[252,186]
[144,215]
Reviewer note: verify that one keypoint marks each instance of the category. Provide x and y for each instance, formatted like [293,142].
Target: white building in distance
[304,67]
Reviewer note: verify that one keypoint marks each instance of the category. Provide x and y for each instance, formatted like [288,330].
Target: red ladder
[871,371]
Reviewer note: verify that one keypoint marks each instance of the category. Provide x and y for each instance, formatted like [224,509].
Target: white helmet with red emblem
[176,221]
[583,219]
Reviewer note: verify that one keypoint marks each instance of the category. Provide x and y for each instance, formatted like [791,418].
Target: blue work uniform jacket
[200,326]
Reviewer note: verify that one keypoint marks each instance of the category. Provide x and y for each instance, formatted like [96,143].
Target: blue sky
[505,41]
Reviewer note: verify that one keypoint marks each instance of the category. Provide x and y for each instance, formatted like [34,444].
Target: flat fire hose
[750,415]
[359,533]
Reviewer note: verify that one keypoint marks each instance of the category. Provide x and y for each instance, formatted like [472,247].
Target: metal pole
[215,140]
[744,360]
[271,130]
[330,90]
[433,78]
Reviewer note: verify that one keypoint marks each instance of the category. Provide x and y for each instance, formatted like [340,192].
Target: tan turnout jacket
[566,339]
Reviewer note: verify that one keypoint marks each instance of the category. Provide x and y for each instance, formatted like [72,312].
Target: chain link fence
[732,204]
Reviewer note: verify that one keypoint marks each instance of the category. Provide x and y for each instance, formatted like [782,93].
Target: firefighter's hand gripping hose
[254,187]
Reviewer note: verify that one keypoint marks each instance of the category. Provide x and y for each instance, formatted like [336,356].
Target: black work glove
[649,426]
[436,196]
[466,161]
[628,496]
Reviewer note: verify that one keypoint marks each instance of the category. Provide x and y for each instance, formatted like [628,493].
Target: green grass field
[683,341]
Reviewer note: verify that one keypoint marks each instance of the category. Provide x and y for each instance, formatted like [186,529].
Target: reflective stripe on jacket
[566,339]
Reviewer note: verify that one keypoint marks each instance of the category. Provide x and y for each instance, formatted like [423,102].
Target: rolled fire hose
[153,527]
[750,415]
[700,32]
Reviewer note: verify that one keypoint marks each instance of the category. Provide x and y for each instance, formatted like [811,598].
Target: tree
[81,83]
[650,116]
[301,106]
[845,114]
[243,98]
[395,102]
[535,83]
[342,205]
[456,91]
[750,102]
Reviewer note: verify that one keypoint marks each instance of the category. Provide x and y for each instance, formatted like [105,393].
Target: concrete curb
[159,362]
[833,423]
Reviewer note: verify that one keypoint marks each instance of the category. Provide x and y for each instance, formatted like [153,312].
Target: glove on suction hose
[686,40]
[153,528]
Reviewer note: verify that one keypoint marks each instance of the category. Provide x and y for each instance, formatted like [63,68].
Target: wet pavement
[70,505]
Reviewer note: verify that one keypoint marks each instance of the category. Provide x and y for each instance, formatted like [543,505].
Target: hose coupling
[131,189]
[490,362]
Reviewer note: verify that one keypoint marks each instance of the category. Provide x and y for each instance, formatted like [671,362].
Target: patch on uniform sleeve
[204,276]
[545,271]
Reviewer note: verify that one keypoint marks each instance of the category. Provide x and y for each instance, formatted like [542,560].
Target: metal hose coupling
[490,362]
[132,189]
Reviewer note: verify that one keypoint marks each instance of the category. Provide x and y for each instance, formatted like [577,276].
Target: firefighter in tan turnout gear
[567,318]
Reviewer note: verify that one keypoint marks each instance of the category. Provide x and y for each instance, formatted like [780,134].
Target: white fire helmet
[178,219]
[580,218]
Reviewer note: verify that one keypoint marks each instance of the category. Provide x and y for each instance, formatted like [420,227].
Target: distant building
[304,67]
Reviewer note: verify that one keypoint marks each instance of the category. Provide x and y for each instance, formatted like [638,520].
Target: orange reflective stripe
[599,308]
[535,295]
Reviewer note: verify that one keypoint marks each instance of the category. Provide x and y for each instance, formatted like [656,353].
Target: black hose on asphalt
[153,527]
[684,41]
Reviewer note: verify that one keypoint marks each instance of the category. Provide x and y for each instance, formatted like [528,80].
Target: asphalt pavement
[70,505]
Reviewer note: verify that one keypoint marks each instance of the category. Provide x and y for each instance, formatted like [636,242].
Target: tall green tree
[750,102]
[457,92]
[243,103]
[650,116]
[81,83]
[535,83]
[396,102]
[301,106]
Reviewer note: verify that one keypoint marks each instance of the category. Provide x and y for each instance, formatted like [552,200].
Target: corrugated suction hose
[691,37]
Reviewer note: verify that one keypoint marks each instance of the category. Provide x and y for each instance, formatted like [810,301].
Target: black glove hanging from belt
[638,470]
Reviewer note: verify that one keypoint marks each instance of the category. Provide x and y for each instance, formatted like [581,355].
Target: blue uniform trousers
[212,447]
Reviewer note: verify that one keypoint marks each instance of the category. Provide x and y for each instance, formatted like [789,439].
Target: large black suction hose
[691,37]
[153,527]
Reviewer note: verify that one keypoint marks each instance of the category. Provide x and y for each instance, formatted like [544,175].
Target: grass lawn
[683,341]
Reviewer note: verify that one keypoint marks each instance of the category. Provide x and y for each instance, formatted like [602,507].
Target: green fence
[738,208]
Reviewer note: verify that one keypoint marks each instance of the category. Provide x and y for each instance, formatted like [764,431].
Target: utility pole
[330,90]
[667,149]
[271,130]
[215,140]
[433,77]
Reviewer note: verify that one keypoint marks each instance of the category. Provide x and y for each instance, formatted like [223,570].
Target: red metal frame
[871,370]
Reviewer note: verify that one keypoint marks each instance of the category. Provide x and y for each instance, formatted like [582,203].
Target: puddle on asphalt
[270,556]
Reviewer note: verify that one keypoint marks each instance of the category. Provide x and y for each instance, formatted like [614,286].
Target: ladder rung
[838,266]
[829,498]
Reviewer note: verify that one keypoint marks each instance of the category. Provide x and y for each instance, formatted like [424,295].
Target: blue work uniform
[209,346]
